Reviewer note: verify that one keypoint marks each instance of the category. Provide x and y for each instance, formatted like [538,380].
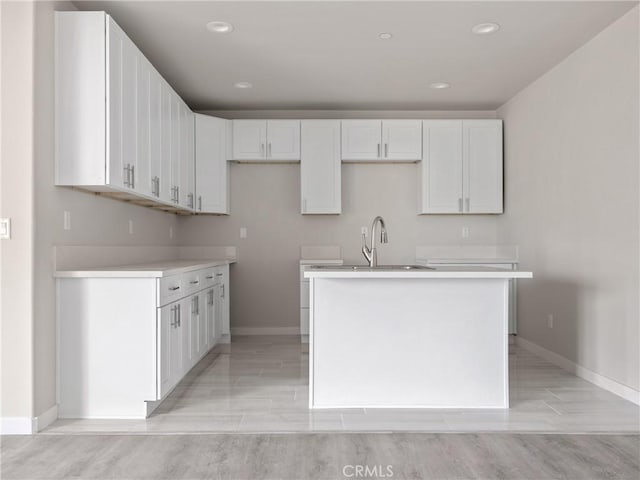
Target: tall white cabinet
[461,170]
[320,167]
[120,128]
[212,172]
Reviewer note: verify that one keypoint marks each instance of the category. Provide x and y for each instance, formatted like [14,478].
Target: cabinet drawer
[170,289]
[208,277]
[193,281]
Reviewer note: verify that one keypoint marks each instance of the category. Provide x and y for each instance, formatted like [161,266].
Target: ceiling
[328,55]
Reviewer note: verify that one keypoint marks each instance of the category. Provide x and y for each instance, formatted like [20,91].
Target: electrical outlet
[67,220]
[465,232]
[130,227]
[170,232]
[550,320]
[243,232]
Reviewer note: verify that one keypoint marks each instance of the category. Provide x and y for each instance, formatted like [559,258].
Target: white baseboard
[45,419]
[617,388]
[16,426]
[265,331]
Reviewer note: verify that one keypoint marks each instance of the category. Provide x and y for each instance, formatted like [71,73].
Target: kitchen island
[409,337]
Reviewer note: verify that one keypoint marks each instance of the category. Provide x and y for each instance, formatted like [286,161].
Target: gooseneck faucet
[371,254]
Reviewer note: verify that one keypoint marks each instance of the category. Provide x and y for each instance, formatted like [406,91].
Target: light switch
[5,228]
[465,232]
[67,220]
[243,232]
[170,232]
[130,227]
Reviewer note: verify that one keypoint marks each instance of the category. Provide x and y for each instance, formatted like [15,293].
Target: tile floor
[260,384]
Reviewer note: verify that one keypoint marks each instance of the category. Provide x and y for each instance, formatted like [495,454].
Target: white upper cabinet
[402,140]
[212,171]
[461,170]
[266,140]
[187,157]
[361,140]
[382,140]
[320,167]
[441,167]
[482,181]
[120,128]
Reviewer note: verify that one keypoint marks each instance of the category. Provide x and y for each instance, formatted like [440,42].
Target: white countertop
[442,272]
[147,270]
[461,260]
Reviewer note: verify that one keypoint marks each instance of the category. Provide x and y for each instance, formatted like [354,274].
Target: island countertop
[440,272]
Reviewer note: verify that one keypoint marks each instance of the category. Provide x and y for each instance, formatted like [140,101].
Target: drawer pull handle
[194,282]
[209,277]
[173,289]
[219,274]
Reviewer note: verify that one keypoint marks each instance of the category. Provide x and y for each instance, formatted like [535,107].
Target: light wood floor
[322,456]
[260,385]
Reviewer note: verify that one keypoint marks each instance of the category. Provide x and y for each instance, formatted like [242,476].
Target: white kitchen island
[417,338]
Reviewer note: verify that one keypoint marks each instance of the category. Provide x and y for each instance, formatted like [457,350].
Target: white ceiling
[327,55]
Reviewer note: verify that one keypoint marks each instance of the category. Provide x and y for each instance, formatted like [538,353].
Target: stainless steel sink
[356,268]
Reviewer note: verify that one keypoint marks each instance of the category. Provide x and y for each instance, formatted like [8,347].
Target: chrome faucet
[371,254]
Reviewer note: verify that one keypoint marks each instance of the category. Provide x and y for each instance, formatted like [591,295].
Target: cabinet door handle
[269,150]
[200,202]
[262,149]
[467,202]
[386,150]
[222,290]
[177,194]
[460,204]
[125,180]
[179,315]
[133,176]
[172,316]
[173,289]
[190,200]
[378,150]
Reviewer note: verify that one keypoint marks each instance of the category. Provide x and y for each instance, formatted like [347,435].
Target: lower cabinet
[119,359]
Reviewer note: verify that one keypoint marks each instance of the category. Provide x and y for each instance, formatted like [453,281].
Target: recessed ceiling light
[219,27]
[385,36]
[242,85]
[485,28]
[439,85]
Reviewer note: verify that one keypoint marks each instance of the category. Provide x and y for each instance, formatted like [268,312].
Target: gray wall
[571,154]
[266,200]
[36,207]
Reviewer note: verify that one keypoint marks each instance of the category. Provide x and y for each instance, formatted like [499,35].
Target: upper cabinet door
[441,167]
[117,175]
[482,181]
[402,140]
[283,140]
[143,126]
[166,180]
[211,165]
[175,147]
[155,133]
[187,158]
[362,140]
[320,167]
[249,139]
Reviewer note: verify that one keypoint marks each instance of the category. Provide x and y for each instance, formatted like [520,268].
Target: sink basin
[355,268]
